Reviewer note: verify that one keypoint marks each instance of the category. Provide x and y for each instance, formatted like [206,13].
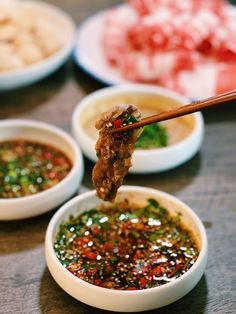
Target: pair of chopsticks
[181,111]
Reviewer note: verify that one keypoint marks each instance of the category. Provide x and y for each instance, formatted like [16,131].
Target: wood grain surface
[207,183]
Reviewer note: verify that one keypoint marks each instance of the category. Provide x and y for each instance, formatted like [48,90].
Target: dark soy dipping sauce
[28,167]
[126,246]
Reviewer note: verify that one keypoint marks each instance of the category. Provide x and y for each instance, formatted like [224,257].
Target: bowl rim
[77,164]
[125,188]
[66,47]
[139,88]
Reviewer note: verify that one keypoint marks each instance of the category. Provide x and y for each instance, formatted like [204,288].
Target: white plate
[33,73]
[89,55]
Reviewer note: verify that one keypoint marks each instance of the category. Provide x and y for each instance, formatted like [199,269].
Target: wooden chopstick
[181,111]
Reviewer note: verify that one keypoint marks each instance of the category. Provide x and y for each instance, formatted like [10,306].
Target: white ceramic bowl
[185,133]
[37,71]
[32,205]
[120,300]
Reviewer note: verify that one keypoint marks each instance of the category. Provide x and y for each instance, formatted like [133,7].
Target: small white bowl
[33,205]
[185,133]
[37,71]
[120,300]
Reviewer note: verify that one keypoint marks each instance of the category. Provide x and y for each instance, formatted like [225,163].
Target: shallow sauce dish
[120,300]
[185,134]
[38,203]
[32,73]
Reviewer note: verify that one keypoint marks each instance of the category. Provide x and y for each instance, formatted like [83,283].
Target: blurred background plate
[90,56]
[36,71]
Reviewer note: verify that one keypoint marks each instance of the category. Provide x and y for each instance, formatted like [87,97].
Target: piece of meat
[141,67]
[165,31]
[207,80]
[225,80]
[117,22]
[114,151]
[145,7]
[169,43]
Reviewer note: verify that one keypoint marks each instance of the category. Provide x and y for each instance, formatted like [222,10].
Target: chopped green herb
[153,136]
[153,202]
[129,118]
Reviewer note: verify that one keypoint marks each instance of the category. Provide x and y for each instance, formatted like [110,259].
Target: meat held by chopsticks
[114,151]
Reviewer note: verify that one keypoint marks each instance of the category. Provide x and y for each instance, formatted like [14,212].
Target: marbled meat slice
[114,151]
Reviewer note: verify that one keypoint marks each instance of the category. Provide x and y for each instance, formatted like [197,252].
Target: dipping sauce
[125,246]
[28,167]
[167,133]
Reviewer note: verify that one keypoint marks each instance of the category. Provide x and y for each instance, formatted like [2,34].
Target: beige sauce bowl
[185,134]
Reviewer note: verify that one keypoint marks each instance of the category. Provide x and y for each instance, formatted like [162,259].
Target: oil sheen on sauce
[125,246]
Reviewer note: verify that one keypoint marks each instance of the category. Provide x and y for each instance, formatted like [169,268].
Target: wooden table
[207,183]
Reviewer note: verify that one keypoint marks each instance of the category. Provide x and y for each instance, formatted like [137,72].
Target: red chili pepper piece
[143,282]
[80,275]
[137,254]
[97,282]
[108,246]
[52,175]
[82,242]
[117,123]
[92,271]
[59,161]
[131,288]
[144,269]
[95,229]
[178,266]
[47,155]
[90,255]
[157,271]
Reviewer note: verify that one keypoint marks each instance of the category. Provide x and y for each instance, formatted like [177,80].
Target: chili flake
[125,246]
[28,167]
